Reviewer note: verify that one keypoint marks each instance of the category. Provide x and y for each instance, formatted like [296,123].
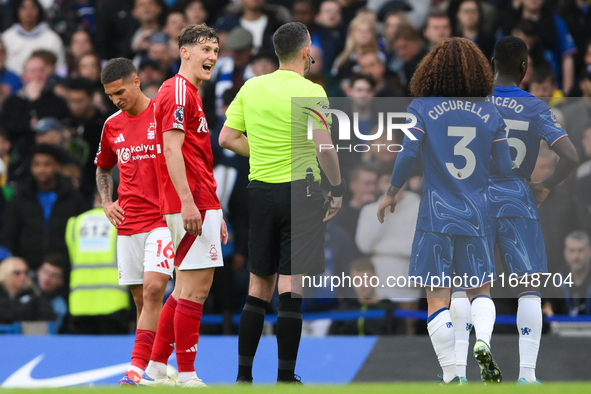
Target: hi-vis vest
[94,283]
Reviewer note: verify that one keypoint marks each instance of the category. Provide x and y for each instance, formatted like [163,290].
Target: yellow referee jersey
[280,150]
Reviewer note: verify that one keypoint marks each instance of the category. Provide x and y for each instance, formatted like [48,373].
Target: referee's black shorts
[286,229]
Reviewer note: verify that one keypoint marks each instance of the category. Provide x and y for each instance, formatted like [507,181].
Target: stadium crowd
[53,107]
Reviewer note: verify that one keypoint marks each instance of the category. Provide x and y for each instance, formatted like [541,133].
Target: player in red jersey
[189,203]
[145,255]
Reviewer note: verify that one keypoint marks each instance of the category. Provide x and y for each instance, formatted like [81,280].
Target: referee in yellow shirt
[286,207]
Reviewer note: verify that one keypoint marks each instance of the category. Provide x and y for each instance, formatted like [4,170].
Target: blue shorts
[521,245]
[436,257]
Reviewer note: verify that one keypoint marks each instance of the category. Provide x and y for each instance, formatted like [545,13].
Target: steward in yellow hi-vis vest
[98,304]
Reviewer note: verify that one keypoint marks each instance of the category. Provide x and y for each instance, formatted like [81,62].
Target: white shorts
[144,252]
[204,251]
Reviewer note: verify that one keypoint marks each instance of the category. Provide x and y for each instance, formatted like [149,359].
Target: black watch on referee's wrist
[338,190]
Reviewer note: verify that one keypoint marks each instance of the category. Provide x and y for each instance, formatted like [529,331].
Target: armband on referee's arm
[338,190]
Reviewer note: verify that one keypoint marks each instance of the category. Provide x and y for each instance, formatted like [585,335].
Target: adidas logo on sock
[192,349]
[164,264]
[120,138]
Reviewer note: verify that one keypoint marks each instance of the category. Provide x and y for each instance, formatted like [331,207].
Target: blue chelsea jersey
[529,120]
[457,138]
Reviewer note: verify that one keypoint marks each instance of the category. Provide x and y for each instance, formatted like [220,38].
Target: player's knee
[153,293]
[197,294]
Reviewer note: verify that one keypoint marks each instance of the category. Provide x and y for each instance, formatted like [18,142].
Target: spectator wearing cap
[10,82]
[50,131]
[37,216]
[33,102]
[231,71]
[159,50]
[223,26]
[28,34]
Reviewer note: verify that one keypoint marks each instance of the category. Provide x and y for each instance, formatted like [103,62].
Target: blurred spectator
[151,89]
[98,305]
[543,85]
[28,34]
[89,67]
[264,63]
[329,33]
[437,28]
[363,189]
[467,18]
[582,188]
[577,17]
[260,19]
[4,159]
[80,44]
[577,254]
[50,61]
[159,49]
[115,27]
[19,299]
[372,64]
[37,215]
[304,11]
[390,248]
[231,71]
[147,13]
[33,102]
[175,23]
[87,126]
[410,51]
[10,82]
[150,72]
[361,38]
[558,215]
[366,298]
[50,279]
[50,131]
[73,172]
[195,11]
[67,16]
[553,33]
[577,111]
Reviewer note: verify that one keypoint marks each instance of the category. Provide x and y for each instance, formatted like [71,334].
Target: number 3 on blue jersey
[461,149]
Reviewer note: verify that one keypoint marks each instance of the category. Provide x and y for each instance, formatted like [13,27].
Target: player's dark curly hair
[454,68]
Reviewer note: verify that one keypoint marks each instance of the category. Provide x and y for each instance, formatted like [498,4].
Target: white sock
[184,376]
[483,318]
[460,311]
[529,326]
[442,336]
[156,370]
[137,370]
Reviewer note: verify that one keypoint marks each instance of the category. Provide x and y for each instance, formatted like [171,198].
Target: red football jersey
[130,143]
[178,106]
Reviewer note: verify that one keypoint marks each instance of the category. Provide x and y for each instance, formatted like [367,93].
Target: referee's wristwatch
[338,190]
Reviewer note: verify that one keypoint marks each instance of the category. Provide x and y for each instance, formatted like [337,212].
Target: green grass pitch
[365,388]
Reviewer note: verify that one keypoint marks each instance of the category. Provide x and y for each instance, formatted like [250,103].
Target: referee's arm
[234,140]
[327,158]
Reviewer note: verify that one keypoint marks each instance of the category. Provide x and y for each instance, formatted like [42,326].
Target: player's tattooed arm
[104,184]
[392,191]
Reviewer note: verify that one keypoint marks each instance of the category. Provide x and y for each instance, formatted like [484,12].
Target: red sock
[186,325]
[164,342]
[142,349]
